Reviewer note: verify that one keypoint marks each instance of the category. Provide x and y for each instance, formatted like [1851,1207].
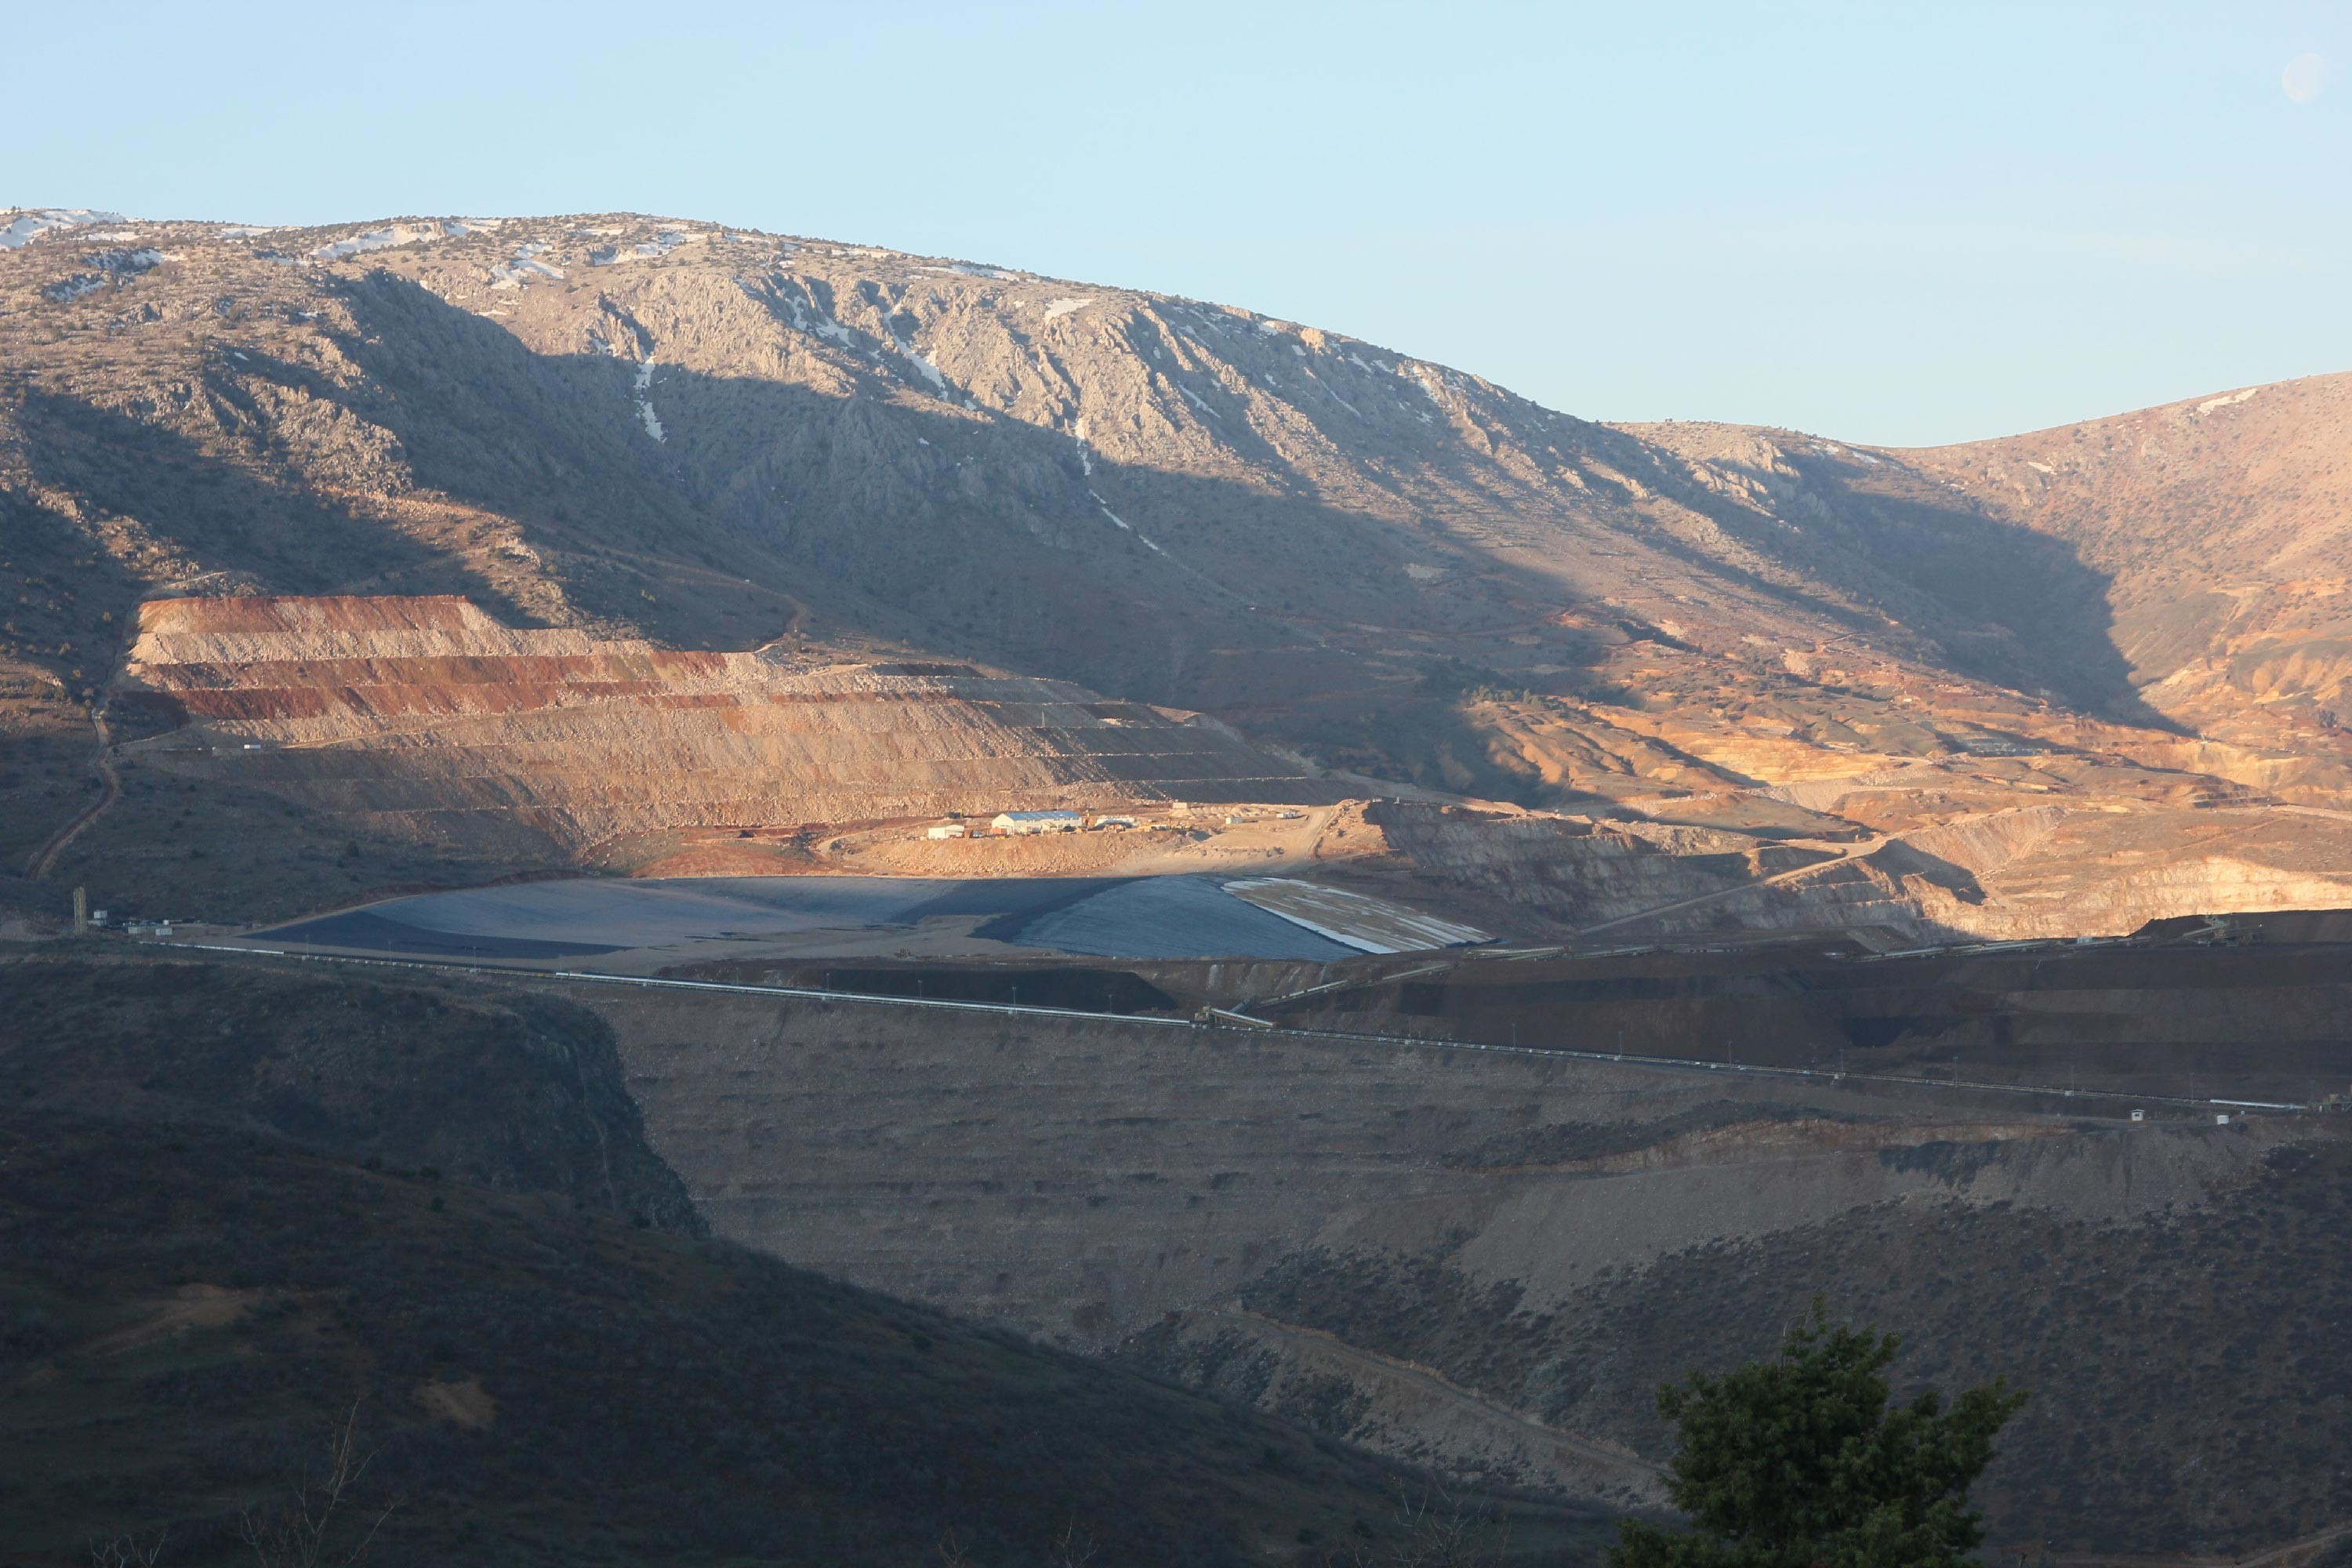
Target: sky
[1898,224]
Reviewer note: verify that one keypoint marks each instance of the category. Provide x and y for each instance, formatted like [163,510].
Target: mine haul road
[1853,852]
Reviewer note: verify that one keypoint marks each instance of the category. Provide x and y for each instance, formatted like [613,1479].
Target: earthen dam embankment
[1184,1196]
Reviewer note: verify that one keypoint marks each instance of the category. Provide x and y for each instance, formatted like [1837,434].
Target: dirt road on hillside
[1854,852]
[1605,1469]
[39,864]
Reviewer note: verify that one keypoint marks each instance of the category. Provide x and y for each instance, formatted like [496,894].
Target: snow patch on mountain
[1194,399]
[2211,404]
[399,234]
[643,384]
[25,224]
[1108,512]
[659,245]
[522,266]
[921,362]
[111,265]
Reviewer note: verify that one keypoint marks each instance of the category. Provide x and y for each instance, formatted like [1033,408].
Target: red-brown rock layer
[424,715]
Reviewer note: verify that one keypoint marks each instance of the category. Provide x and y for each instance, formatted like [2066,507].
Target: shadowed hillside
[205,1274]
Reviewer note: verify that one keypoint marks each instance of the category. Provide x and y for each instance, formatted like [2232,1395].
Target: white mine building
[1038,822]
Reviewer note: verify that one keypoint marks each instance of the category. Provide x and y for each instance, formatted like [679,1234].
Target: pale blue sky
[1898,223]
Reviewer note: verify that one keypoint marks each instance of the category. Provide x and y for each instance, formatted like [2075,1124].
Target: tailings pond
[1147,917]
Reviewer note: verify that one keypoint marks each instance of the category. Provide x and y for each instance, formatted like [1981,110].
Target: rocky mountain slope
[698,437]
[2223,525]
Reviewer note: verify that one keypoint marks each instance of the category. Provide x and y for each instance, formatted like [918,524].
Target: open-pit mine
[1228,850]
[424,717]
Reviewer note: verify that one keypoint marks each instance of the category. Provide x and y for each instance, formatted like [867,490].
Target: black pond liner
[1099,917]
[374,933]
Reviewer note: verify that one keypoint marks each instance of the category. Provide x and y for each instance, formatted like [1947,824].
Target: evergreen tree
[1801,1462]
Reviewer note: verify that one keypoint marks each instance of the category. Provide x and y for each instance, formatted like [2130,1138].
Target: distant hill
[2224,527]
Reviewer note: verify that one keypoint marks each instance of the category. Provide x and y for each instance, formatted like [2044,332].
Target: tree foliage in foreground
[1802,1462]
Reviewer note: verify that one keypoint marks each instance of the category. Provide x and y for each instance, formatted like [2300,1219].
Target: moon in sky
[2304,77]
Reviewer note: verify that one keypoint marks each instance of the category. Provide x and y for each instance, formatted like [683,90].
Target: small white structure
[2139,1116]
[1115,822]
[946,830]
[1038,822]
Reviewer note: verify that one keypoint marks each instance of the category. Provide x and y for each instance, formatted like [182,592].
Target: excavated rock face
[427,717]
[2180,565]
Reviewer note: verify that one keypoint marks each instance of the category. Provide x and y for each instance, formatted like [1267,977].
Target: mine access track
[1256,1030]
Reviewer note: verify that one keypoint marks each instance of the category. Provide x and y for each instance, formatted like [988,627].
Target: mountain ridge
[706,437]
